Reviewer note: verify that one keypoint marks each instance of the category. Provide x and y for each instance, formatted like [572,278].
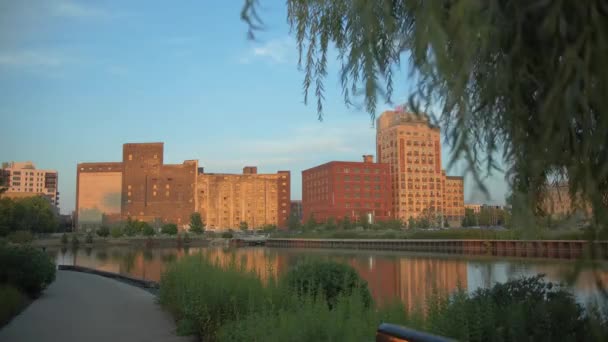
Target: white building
[23,180]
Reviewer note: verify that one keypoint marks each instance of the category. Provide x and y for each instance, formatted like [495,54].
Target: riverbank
[137,241]
[443,234]
[561,249]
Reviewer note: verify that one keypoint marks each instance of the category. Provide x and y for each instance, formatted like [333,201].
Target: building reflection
[412,280]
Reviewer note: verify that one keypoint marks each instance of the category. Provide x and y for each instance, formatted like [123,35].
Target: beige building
[558,203]
[475,207]
[23,180]
[411,145]
[226,200]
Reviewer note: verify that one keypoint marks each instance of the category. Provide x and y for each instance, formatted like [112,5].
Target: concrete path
[87,307]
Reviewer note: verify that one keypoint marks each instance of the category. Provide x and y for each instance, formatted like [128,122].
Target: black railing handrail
[388,332]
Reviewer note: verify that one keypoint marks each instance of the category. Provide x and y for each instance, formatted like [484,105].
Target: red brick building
[347,189]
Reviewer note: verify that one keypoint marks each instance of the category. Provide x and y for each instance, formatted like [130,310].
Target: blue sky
[80,78]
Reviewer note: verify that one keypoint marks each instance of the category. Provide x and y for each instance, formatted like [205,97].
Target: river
[409,277]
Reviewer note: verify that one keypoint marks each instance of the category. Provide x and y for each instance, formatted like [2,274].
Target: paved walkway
[87,307]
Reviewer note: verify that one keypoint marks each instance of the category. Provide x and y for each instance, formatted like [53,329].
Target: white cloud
[277,51]
[74,9]
[29,59]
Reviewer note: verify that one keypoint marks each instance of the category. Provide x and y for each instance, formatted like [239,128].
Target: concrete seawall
[557,249]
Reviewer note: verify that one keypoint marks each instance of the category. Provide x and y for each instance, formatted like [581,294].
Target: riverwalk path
[87,307]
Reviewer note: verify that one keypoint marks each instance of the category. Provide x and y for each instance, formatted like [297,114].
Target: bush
[64,239]
[147,230]
[28,269]
[75,241]
[203,296]
[227,235]
[12,301]
[103,231]
[88,238]
[328,279]
[187,238]
[116,232]
[169,229]
[20,236]
[197,226]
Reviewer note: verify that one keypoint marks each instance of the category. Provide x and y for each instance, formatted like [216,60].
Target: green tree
[243,226]
[197,225]
[311,223]
[293,222]
[35,214]
[117,232]
[103,231]
[524,80]
[345,223]
[364,220]
[330,224]
[147,229]
[411,223]
[169,229]
[470,219]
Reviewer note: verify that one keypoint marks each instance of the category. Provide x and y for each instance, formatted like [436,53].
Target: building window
[130,157]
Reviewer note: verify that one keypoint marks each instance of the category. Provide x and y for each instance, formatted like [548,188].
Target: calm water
[390,275]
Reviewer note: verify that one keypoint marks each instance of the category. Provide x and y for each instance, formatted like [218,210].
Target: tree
[411,223]
[330,224]
[522,79]
[243,226]
[293,223]
[345,223]
[169,229]
[147,229]
[35,214]
[197,225]
[364,220]
[311,223]
[103,231]
[470,219]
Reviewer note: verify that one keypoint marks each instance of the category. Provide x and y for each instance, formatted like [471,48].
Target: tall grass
[226,303]
[12,301]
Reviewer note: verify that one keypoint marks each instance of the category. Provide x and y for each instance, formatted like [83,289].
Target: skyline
[78,80]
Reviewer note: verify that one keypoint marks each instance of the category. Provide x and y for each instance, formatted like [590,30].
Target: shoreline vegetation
[320,300]
[25,272]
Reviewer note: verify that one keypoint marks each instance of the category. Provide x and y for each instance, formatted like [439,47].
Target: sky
[80,78]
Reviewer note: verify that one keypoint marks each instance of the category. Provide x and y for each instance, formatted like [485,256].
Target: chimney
[250,170]
[368,158]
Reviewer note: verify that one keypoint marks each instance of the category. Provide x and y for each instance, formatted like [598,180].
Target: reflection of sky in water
[390,275]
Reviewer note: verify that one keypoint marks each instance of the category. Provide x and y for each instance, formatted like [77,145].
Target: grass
[12,301]
[225,303]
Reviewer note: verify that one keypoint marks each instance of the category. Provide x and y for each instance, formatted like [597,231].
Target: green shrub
[20,236]
[30,270]
[88,238]
[12,301]
[328,279]
[103,231]
[75,241]
[187,238]
[116,232]
[147,230]
[197,226]
[203,296]
[64,239]
[227,235]
[169,229]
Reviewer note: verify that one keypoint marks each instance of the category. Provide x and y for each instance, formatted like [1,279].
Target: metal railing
[395,333]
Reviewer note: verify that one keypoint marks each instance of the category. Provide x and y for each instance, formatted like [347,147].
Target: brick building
[346,189]
[296,209]
[226,200]
[453,199]
[140,187]
[22,179]
[411,146]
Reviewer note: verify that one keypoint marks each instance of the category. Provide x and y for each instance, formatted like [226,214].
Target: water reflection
[410,278]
